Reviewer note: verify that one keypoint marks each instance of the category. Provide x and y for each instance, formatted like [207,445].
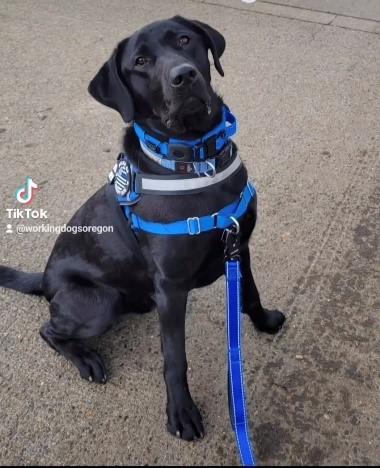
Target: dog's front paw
[270,322]
[91,367]
[185,420]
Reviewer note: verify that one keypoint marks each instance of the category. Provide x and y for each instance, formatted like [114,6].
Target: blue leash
[236,397]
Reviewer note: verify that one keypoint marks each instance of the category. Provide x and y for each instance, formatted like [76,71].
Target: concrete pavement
[306,91]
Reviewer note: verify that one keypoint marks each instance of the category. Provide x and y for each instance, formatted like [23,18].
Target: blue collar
[200,149]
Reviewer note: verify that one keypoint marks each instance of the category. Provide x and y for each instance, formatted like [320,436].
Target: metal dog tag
[122,178]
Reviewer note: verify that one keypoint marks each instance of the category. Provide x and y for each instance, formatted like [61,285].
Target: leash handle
[236,396]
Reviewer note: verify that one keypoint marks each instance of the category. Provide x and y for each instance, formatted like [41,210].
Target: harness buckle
[180,152]
[193,226]
[197,152]
[152,146]
[214,217]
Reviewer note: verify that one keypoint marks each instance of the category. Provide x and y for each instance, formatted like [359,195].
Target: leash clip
[231,240]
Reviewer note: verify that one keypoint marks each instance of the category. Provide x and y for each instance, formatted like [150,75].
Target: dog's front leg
[269,321]
[184,419]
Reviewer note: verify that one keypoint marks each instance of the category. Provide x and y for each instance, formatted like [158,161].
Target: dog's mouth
[190,114]
[195,104]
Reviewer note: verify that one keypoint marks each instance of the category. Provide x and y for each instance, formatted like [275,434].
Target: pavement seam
[255,12]
[318,11]
[249,10]
[331,22]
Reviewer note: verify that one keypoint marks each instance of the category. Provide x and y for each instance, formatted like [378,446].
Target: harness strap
[172,185]
[180,167]
[195,225]
[130,182]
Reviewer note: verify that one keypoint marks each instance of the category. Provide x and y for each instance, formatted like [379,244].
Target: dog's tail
[27,283]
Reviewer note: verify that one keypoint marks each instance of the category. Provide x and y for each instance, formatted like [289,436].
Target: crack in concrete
[334,18]
[256,12]
[318,11]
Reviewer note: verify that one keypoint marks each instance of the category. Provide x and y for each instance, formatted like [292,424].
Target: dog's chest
[170,208]
[197,260]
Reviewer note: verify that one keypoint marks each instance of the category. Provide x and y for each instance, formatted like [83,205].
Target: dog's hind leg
[78,313]
[269,321]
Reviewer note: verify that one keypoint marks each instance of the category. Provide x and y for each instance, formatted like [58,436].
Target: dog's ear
[213,39]
[215,42]
[108,87]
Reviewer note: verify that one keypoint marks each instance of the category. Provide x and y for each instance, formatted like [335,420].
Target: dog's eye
[183,40]
[140,61]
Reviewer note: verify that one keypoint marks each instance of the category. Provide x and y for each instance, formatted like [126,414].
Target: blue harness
[227,219]
[195,225]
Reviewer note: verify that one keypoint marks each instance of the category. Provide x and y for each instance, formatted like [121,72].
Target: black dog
[160,78]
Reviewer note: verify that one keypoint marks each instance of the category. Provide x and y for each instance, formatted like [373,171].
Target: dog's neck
[201,123]
[154,126]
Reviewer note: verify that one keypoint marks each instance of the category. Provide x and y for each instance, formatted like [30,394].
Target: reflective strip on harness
[176,186]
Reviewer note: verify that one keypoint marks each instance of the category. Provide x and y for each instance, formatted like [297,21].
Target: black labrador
[159,77]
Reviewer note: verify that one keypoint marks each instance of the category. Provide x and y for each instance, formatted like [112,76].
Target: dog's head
[162,72]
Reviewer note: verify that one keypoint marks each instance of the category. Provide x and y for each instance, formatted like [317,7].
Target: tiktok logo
[26,192]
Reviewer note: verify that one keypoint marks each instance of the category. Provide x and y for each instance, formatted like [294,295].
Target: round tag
[122,178]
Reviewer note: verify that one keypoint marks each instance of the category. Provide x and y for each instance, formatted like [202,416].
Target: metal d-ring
[213,170]
[236,224]
[124,202]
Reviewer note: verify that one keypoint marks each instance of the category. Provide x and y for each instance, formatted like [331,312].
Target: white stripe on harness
[193,183]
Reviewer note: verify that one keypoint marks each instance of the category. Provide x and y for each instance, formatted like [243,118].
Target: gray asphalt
[305,87]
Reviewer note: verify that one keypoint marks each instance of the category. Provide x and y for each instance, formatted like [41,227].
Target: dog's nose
[182,75]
